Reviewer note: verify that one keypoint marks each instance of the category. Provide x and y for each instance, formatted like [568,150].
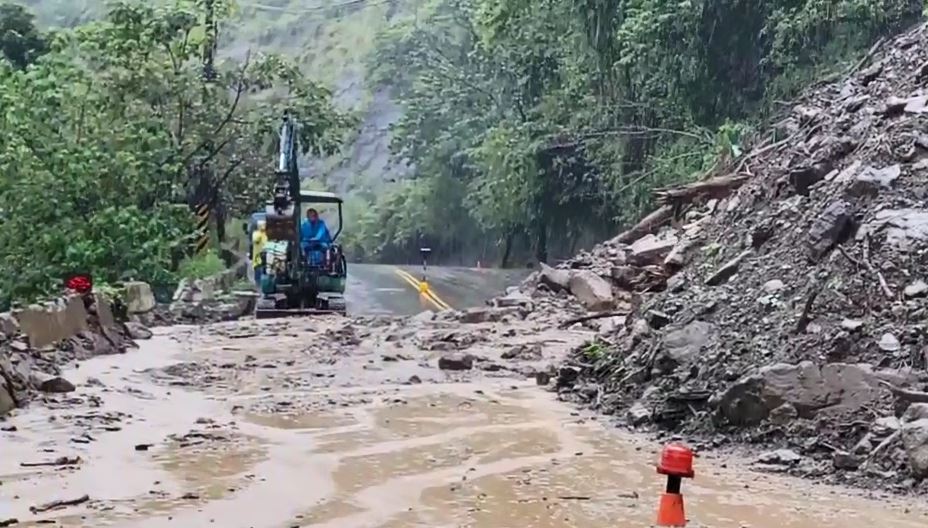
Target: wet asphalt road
[375,289]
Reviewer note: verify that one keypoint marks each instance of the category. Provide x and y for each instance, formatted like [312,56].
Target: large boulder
[139,297]
[652,249]
[456,361]
[555,279]
[806,386]
[682,345]
[592,290]
[915,439]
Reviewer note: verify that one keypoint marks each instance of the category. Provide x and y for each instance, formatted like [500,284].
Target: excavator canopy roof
[320,197]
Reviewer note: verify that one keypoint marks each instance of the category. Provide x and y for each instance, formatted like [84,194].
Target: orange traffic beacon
[677,463]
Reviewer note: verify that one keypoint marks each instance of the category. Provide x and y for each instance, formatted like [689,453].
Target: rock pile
[783,303]
[201,301]
[38,341]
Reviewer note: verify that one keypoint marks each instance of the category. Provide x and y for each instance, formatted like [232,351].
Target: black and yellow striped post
[202,228]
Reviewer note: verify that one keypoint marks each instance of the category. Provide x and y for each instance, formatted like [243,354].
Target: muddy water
[248,449]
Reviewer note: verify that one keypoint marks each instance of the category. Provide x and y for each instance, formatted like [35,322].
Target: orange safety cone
[677,463]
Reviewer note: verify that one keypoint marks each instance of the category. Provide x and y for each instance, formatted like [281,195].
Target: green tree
[20,41]
[107,139]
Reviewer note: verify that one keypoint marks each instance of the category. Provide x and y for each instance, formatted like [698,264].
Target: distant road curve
[375,289]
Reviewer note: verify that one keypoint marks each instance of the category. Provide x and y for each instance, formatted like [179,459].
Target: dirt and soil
[351,423]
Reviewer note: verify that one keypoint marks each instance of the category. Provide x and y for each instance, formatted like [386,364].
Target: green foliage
[558,117]
[201,266]
[20,41]
[107,139]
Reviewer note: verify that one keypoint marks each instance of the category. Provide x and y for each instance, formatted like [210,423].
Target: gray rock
[916,105]
[773,286]
[658,319]
[651,249]
[684,344]
[625,276]
[829,228]
[638,414]
[9,326]
[852,325]
[917,289]
[592,290]
[7,403]
[678,256]
[529,352]
[914,412]
[138,331]
[869,181]
[555,279]
[845,460]
[906,229]
[57,385]
[784,457]
[915,441]
[806,386]
[139,297]
[513,299]
[424,317]
[742,403]
[727,270]
[889,343]
[783,414]
[456,361]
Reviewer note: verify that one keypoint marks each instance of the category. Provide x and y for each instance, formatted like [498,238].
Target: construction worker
[314,237]
[258,242]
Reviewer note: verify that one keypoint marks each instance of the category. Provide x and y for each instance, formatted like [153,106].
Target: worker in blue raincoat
[314,237]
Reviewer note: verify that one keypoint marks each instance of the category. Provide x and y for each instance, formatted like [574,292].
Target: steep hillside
[334,40]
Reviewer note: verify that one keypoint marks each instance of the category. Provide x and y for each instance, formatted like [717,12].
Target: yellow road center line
[415,283]
[428,293]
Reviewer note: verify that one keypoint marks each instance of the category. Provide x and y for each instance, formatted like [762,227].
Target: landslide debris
[782,302]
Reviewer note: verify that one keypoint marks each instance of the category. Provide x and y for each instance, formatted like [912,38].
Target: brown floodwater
[494,453]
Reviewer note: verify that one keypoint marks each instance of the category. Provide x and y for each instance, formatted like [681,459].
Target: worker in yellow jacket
[258,241]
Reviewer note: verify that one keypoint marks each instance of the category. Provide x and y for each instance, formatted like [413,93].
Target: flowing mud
[326,424]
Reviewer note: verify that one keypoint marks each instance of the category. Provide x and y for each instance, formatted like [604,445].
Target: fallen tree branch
[646,226]
[61,461]
[593,317]
[883,445]
[910,396]
[54,505]
[717,187]
[883,285]
[804,318]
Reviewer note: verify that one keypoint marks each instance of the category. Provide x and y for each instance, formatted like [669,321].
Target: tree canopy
[553,119]
[20,41]
[110,136]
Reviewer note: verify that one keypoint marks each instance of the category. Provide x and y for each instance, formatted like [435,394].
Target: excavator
[297,280]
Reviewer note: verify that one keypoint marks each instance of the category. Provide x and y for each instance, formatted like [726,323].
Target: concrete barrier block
[53,322]
[139,297]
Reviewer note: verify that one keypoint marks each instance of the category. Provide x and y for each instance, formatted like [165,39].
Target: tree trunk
[541,244]
[507,250]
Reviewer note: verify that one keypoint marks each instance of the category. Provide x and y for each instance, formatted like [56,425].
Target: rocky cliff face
[783,303]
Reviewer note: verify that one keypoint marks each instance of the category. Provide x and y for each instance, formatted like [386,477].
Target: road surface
[333,422]
[390,290]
